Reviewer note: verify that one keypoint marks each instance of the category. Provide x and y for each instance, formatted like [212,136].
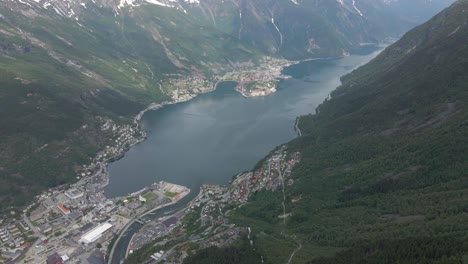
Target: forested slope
[385,161]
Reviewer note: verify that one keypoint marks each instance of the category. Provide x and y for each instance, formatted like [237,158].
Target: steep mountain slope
[63,78]
[316,28]
[68,66]
[383,174]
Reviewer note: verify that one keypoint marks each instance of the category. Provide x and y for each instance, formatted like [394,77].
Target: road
[294,252]
[298,130]
[36,233]
[31,226]
[284,196]
[132,221]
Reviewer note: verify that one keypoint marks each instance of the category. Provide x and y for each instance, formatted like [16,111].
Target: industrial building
[74,194]
[95,233]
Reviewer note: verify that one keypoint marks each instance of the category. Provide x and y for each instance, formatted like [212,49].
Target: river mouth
[214,136]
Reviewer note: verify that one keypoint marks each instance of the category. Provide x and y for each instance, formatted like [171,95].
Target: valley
[101,185]
[114,113]
[94,60]
[211,118]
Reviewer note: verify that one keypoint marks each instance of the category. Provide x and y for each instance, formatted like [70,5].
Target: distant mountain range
[66,65]
[383,177]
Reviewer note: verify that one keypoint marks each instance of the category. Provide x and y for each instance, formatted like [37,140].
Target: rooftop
[95,233]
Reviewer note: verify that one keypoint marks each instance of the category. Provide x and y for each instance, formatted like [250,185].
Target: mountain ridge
[70,66]
[382,177]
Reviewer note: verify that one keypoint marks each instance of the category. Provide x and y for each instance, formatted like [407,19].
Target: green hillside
[62,79]
[66,67]
[384,172]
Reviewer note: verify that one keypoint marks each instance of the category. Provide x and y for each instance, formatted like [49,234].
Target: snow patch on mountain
[68,8]
[359,11]
[65,8]
[124,3]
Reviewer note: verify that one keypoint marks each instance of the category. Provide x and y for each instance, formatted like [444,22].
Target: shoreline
[275,78]
[135,218]
[128,247]
[156,106]
[99,167]
[169,214]
[135,134]
[297,122]
[137,120]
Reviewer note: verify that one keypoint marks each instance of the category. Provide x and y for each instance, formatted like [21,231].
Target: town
[252,80]
[76,223]
[262,80]
[204,222]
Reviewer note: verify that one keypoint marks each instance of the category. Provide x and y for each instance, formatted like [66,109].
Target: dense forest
[241,253]
[384,172]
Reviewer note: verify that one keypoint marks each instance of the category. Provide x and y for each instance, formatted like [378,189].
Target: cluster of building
[124,136]
[185,88]
[71,221]
[252,84]
[240,188]
[252,79]
[223,238]
[13,238]
[261,80]
[216,201]
[84,200]
[78,219]
[275,171]
[158,194]
[211,202]
[64,222]
[154,229]
[210,208]
[158,256]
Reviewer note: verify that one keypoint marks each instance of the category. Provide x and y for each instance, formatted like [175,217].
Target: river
[216,135]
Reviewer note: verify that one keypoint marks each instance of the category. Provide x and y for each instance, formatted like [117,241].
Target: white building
[74,194]
[95,233]
[142,199]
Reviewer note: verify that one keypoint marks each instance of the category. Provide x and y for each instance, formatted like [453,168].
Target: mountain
[69,67]
[317,28]
[383,173]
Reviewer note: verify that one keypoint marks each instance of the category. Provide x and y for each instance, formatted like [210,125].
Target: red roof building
[63,209]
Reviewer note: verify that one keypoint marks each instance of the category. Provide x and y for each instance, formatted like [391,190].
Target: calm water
[217,135]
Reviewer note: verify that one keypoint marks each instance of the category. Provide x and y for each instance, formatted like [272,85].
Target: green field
[149,196]
[170,194]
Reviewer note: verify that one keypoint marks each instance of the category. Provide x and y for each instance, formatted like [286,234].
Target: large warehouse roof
[95,233]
